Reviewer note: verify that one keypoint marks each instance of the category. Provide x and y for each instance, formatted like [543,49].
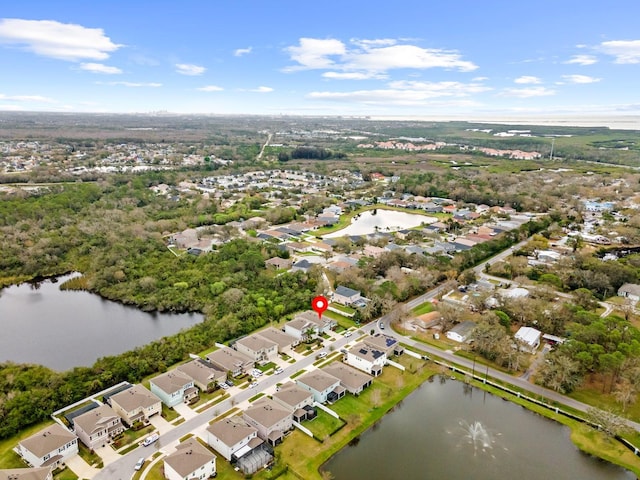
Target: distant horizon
[457,59]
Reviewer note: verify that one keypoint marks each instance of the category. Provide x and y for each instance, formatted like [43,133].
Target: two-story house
[98,427]
[136,404]
[296,399]
[231,361]
[270,418]
[51,446]
[323,387]
[39,473]
[232,437]
[365,358]
[354,380]
[284,341]
[308,325]
[204,374]
[346,296]
[173,387]
[191,460]
[259,349]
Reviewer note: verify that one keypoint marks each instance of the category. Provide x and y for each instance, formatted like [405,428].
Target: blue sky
[346,57]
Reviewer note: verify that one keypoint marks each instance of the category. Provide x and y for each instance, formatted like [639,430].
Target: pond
[383,221]
[63,329]
[452,431]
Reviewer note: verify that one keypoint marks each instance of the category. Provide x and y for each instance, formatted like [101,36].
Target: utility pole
[553,140]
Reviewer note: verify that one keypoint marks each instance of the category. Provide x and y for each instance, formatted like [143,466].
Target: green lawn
[9,458]
[129,436]
[342,308]
[426,307]
[324,425]
[169,414]
[206,396]
[66,474]
[92,459]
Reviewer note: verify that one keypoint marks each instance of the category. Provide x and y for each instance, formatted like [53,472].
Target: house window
[46,457]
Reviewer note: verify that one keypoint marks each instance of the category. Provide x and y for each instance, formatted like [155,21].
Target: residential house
[50,447]
[173,387]
[296,399]
[259,349]
[630,291]
[373,251]
[98,427]
[301,266]
[231,361]
[389,345]
[283,340]
[191,460]
[346,296]
[135,404]
[529,338]
[279,263]
[271,418]
[232,437]
[39,473]
[323,387]
[366,358]
[204,374]
[461,332]
[307,325]
[353,380]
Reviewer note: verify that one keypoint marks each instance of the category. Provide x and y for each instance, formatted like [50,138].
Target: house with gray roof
[283,340]
[190,460]
[232,437]
[232,361]
[40,473]
[204,374]
[296,399]
[98,427]
[50,447]
[173,387]
[366,358]
[308,324]
[324,387]
[135,404]
[384,343]
[355,381]
[630,291]
[461,332]
[258,348]
[271,418]
[346,296]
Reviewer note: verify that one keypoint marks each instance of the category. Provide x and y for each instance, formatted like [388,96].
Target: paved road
[122,469]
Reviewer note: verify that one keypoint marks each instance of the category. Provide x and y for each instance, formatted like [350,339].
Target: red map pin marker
[320,304]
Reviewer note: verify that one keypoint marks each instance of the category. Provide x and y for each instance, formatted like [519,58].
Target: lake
[384,220]
[452,431]
[64,329]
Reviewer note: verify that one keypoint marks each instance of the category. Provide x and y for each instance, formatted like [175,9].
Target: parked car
[223,386]
[139,464]
[253,384]
[348,333]
[150,439]
[322,354]
[229,382]
[278,370]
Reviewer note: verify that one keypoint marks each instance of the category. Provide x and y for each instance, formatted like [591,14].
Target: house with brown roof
[279,263]
[173,387]
[353,380]
[258,348]
[50,447]
[191,460]
[283,340]
[231,361]
[307,325]
[135,404]
[232,437]
[296,399]
[204,374]
[40,473]
[323,386]
[271,418]
[98,427]
[366,358]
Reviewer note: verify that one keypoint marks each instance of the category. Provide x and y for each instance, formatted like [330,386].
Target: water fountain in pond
[478,436]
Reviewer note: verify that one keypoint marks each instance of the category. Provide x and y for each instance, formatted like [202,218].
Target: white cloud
[353,75]
[373,57]
[262,89]
[313,53]
[479,79]
[242,51]
[528,92]
[189,69]
[133,84]
[211,88]
[409,93]
[528,79]
[580,79]
[100,68]
[64,41]
[625,51]
[26,98]
[582,60]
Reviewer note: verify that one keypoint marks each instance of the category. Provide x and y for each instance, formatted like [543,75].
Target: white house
[232,437]
[630,291]
[461,332]
[529,338]
[191,460]
[346,296]
[366,358]
[323,387]
[308,325]
[38,473]
[51,446]
[173,387]
[271,418]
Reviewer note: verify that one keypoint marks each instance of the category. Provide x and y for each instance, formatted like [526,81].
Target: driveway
[107,454]
[160,423]
[81,468]
[185,411]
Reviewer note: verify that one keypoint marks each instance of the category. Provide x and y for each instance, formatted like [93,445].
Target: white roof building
[529,338]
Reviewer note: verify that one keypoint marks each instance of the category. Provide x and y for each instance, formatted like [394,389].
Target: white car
[223,386]
[253,384]
[278,370]
[139,464]
[256,373]
[322,354]
[150,439]
[348,333]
